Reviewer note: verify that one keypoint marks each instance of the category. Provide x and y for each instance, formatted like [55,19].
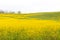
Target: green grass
[47,16]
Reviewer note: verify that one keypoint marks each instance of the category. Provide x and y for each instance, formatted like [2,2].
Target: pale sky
[30,5]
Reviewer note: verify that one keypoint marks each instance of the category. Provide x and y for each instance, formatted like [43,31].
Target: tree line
[2,12]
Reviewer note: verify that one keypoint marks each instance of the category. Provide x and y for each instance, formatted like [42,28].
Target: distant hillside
[38,16]
[47,16]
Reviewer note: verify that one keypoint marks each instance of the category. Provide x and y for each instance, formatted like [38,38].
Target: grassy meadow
[34,26]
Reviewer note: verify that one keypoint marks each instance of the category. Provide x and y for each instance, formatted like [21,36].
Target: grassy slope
[37,26]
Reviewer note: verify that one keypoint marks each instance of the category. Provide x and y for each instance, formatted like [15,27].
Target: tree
[19,12]
[1,11]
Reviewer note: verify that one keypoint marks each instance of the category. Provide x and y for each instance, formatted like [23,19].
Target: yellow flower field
[22,27]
